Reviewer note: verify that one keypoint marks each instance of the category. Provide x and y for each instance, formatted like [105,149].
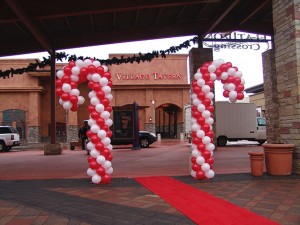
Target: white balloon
[66,87]
[79,63]
[96,77]
[89,76]
[200,160]
[213,76]
[87,62]
[108,122]
[225,86]
[94,153]
[74,78]
[99,107]
[224,76]
[209,120]
[91,122]
[110,147]
[206,88]
[231,87]
[105,68]
[101,134]
[75,70]
[106,164]
[92,94]
[200,82]
[106,141]
[67,105]
[106,89]
[103,81]
[194,96]
[105,114]
[195,127]
[96,179]
[242,81]
[61,101]
[95,128]
[109,97]
[206,140]
[75,91]
[206,114]
[193,120]
[197,76]
[193,173]
[231,71]
[210,95]
[200,133]
[110,170]
[196,102]
[232,94]
[96,63]
[201,107]
[205,167]
[232,100]
[210,147]
[196,153]
[100,159]
[210,174]
[90,146]
[211,68]
[238,74]
[94,101]
[81,100]
[60,74]
[90,172]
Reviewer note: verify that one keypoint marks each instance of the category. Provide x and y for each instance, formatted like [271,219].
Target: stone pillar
[271,96]
[72,131]
[286,16]
[34,118]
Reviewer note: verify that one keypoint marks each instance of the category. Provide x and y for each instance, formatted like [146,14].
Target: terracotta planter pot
[278,158]
[257,163]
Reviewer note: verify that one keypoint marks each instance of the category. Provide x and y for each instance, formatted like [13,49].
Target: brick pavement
[44,195]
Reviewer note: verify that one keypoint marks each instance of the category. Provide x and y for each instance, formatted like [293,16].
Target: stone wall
[73,133]
[34,134]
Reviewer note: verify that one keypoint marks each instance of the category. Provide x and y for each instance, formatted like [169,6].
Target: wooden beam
[253,12]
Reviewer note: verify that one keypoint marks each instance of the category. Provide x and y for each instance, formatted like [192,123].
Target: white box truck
[238,121]
[234,122]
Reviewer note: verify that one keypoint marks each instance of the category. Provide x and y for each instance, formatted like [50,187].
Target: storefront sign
[236,40]
[152,76]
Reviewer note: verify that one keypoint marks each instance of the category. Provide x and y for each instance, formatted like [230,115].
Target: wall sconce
[150,118]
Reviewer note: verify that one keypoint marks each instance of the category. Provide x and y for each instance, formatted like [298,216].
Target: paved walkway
[38,189]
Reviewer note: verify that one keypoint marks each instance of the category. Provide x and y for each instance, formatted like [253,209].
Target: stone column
[271,96]
[34,118]
[72,131]
[286,16]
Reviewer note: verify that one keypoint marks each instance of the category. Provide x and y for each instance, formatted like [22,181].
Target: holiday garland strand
[62,55]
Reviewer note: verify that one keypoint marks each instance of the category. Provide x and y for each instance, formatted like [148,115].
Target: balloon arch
[99,80]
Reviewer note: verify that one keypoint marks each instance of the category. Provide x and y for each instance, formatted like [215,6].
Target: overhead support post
[53,98]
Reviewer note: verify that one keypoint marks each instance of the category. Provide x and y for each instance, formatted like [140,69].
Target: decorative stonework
[34,134]
[72,133]
[150,127]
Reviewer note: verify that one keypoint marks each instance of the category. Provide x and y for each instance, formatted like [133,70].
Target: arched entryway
[169,122]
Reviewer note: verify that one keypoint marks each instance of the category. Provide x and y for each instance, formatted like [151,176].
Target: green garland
[62,55]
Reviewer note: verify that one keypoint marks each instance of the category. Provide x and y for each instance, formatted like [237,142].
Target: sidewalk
[38,189]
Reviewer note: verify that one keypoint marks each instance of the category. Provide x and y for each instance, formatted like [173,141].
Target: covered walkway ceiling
[28,26]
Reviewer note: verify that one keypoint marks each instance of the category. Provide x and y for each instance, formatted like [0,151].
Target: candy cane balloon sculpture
[202,111]
[99,80]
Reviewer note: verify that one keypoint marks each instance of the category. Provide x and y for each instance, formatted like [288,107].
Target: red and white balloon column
[99,80]
[203,108]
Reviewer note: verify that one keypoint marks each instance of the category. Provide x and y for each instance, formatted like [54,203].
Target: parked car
[9,137]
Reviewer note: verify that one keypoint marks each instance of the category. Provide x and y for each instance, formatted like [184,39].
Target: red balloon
[66,79]
[74,107]
[94,138]
[105,102]
[72,63]
[205,127]
[96,87]
[93,165]
[206,102]
[210,83]
[67,70]
[91,84]
[210,134]
[100,170]
[196,114]
[240,87]
[218,72]
[206,154]
[193,159]
[230,79]
[95,115]
[105,179]
[91,69]
[194,83]
[237,80]
[211,108]
[108,108]
[223,67]
[65,96]
[100,121]
[109,133]
[197,89]
[89,133]
[196,167]
[200,120]
[105,127]
[197,140]
[110,83]
[200,174]
[206,76]
[107,75]
[73,99]
[109,157]
[83,72]
[100,70]
[59,91]
[201,96]
[210,160]
[203,69]
[99,146]
[240,96]
[91,159]
[226,93]
[105,151]
[201,147]
[58,83]
[73,84]
[100,94]
[207,64]
[91,108]
[194,134]
[229,64]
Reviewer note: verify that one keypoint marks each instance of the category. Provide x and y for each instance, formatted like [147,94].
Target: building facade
[160,88]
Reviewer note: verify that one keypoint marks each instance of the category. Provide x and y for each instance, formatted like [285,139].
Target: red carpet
[199,206]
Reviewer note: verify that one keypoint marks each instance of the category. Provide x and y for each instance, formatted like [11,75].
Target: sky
[248,61]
